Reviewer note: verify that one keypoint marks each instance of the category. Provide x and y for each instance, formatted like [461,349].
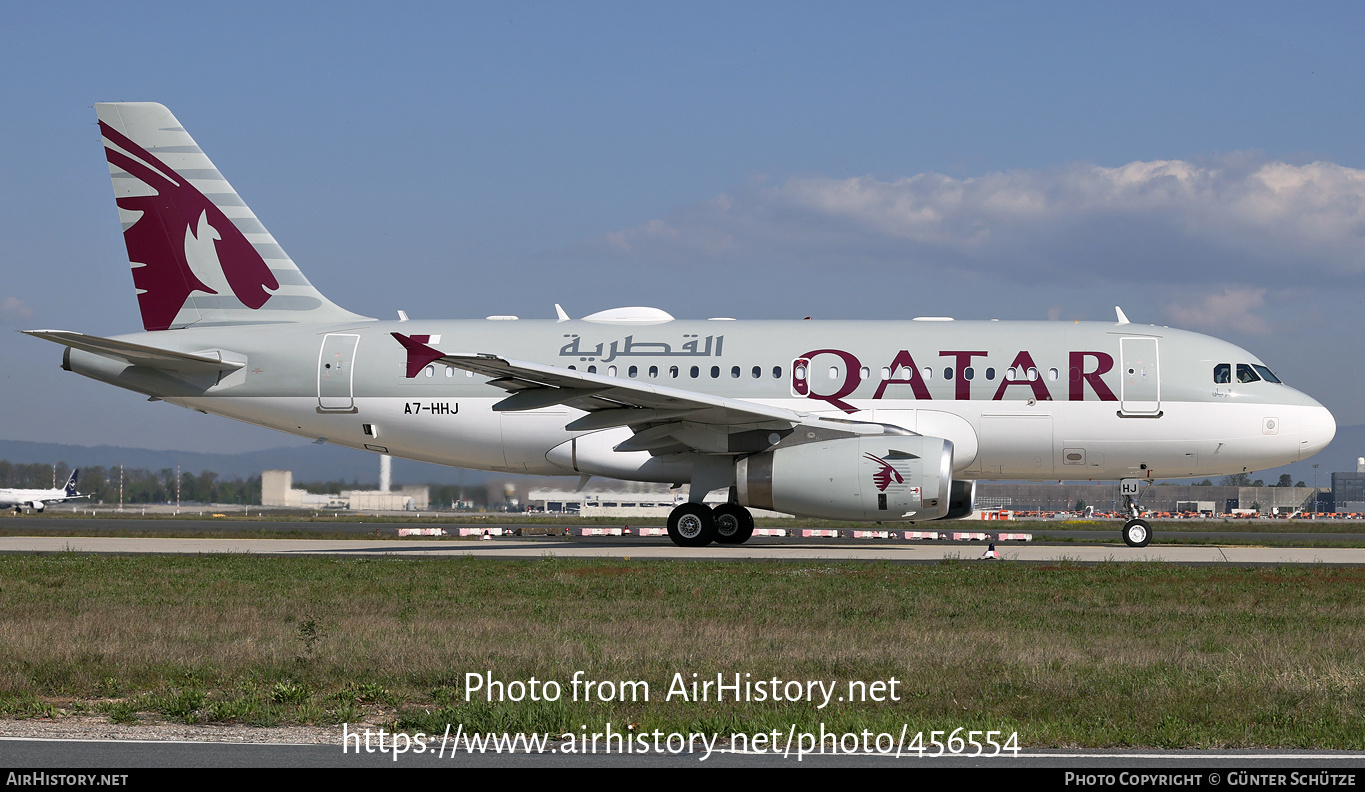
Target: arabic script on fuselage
[690,346]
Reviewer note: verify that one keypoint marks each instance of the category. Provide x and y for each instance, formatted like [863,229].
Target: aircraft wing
[138,354]
[664,419]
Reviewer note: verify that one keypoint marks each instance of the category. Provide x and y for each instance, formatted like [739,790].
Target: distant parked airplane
[852,420]
[37,499]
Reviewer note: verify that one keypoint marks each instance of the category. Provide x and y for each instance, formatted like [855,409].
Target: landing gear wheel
[692,525]
[1137,533]
[734,524]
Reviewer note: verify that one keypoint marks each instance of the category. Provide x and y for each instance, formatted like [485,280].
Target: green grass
[1096,655]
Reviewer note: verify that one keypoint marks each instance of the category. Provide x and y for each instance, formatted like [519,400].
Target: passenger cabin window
[777,372]
[734,372]
[632,371]
[1246,374]
[1222,374]
[715,372]
[673,372]
[990,373]
[695,372]
[757,372]
[653,371]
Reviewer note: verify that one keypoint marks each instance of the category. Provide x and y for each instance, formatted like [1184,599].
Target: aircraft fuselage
[1018,400]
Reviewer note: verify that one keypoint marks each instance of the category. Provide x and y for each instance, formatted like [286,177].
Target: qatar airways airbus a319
[851,420]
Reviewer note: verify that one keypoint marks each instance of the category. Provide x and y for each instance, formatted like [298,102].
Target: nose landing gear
[1137,532]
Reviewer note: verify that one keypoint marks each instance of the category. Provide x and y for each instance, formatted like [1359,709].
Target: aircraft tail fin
[198,253]
[71,483]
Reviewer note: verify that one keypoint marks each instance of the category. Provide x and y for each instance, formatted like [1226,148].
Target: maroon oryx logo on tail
[175,218]
[882,478]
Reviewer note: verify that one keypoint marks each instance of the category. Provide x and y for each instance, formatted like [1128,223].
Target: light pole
[1315,489]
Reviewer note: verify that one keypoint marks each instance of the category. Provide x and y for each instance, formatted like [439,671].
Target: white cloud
[1231,310]
[1240,218]
[13,309]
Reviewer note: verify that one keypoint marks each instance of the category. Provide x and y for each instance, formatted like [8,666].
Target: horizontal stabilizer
[139,355]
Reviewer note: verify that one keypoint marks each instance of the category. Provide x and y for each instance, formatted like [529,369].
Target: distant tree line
[1243,480]
[139,485]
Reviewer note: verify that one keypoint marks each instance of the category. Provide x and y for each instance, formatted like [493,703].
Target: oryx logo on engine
[884,475]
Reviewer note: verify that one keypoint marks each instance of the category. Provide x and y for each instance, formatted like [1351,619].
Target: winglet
[563,317]
[419,354]
[1123,320]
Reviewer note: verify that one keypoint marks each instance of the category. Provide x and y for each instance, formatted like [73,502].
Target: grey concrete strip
[661,549]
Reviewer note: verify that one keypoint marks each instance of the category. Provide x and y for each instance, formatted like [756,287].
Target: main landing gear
[698,525]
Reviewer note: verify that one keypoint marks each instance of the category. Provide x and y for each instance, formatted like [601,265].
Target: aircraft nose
[1318,429]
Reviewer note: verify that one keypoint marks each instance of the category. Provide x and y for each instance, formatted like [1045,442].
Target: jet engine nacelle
[895,478]
[37,506]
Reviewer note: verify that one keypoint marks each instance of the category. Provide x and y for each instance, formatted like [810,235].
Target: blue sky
[1200,164]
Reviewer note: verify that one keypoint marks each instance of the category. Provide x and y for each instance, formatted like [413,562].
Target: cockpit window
[1246,374]
[1222,374]
[1266,374]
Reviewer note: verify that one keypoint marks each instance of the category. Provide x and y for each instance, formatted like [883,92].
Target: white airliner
[888,421]
[37,499]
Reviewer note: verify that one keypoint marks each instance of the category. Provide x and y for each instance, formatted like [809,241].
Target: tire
[734,524]
[1137,533]
[692,525]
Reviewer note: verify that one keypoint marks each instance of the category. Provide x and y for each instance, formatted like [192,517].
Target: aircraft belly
[469,436]
[1016,445]
[1073,441]
[1189,439]
[527,436]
